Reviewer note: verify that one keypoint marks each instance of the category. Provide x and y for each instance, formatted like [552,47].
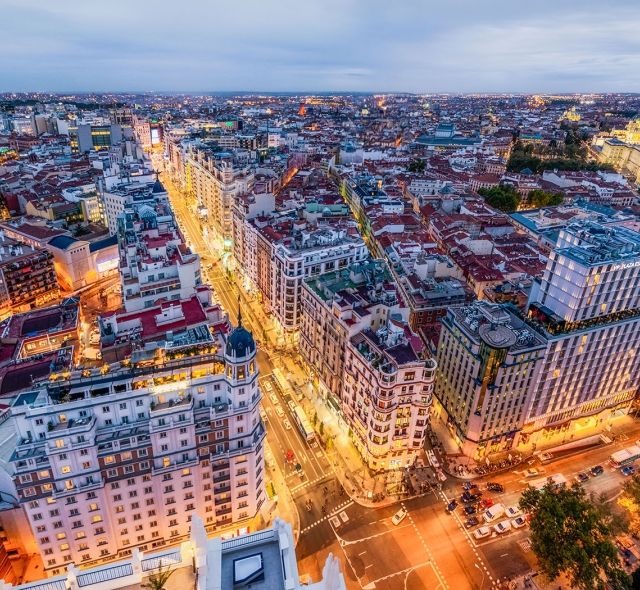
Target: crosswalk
[338,510]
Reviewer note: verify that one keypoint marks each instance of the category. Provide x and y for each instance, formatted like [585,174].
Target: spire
[239,314]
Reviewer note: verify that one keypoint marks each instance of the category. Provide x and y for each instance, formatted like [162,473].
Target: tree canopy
[504,198]
[570,535]
[540,198]
[416,165]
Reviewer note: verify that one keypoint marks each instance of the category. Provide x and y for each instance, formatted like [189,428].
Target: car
[399,516]
[471,522]
[268,386]
[467,497]
[292,405]
[287,424]
[274,398]
[482,532]
[467,485]
[627,470]
[531,472]
[280,411]
[518,522]
[513,511]
[495,487]
[502,527]
[486,503]
[263,414]
[597,470]
[582,477]
[470,510]
[451,506]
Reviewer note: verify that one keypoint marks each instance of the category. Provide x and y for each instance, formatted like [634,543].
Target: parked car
[495,487]
[287,424]
[267,386]
[597,470]
[292,405]
[518,522]
[451,506]
[482,532]
[513,511]
[274,398]
[471,522]
[627,470]
[582,477]
[486,503]
[470,509]
[280,411]
[502,527]
[399,516]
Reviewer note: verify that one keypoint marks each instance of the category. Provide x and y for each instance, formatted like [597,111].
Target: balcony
[69,427]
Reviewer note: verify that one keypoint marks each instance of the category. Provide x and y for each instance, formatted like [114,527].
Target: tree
[416,165]
[569,535]
[539,198]
[630,500]
[158,580]
[504,198]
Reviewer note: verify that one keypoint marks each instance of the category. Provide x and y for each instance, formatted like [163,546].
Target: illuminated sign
[627,265]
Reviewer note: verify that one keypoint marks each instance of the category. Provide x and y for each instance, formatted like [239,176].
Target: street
[430,548]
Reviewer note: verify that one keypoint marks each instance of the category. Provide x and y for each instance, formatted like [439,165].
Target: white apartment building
[213,180]
[307,254]
[488,363]
[387,394]
[154,262]
[263,560]
[335,307]
[124,195]
[107,461]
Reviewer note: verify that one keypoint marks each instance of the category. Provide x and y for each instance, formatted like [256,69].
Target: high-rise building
[488,362]
[154,261]
[569,367]
[587,305]
[108,462]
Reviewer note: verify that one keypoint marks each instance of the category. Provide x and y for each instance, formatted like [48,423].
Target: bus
[282,382]
[557,480]
[303,424]
[625,456]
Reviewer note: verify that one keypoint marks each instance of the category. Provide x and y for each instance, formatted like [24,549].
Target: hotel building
[108,460]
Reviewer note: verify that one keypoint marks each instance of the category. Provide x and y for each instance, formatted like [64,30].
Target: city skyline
[326,46]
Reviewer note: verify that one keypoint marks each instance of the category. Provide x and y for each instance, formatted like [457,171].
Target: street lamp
[483,575]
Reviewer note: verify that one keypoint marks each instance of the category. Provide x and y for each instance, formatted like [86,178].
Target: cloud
[405,45]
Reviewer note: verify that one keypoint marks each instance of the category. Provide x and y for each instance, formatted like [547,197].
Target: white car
[513,511]
[482,532]
[267,386]
[274,398]
[292,405]
[399,516]
[280,411]
[287,424]
[519,522]
[502,527]
[263,414]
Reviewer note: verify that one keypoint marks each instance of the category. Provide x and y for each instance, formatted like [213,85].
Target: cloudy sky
[307,45]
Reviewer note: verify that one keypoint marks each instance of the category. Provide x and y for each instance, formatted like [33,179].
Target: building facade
[105,463]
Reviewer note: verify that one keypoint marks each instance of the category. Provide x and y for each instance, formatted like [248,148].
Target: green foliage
[569,155]
[504,198]
[159,580]
[570,535]
[540,198]
[416,165]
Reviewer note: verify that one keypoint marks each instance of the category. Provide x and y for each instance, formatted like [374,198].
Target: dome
[240,343]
